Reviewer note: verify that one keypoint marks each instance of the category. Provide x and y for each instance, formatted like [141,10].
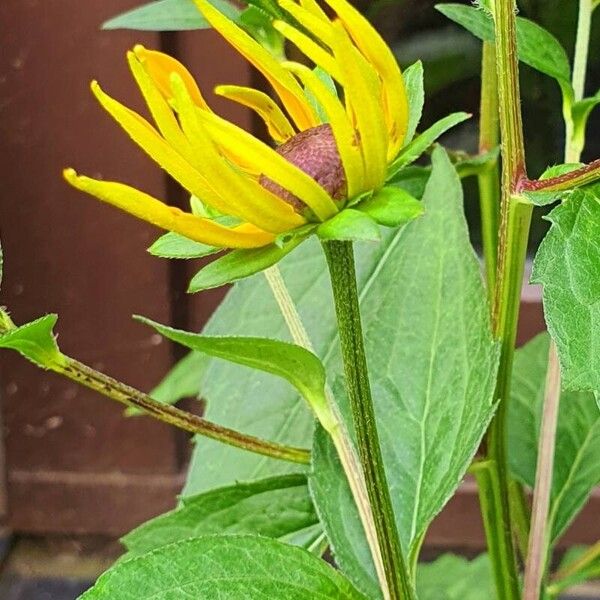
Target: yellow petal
[278,125]
[147,138]
[247,197]
[317,26]
[377,52]
[309,48]
[159,108]
[282,82]
[147,208]
[160,66]
[362,94]
[313,7]
[346,138]
[270,164]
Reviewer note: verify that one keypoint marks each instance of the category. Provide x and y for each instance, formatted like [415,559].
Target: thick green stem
[489,178]
[129,396]
[512,250]
[340,259]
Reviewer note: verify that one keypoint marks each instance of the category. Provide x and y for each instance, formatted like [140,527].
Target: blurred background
[75,474]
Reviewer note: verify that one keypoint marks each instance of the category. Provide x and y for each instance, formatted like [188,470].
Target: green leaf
[452,577]
[536,47]
[567,264]
[259,24]
[572,555]
[229,567]
[577,457]
[581,112]
[350,224]
[35,341]
[168,15]
[391,206]
[278,507]
[293,363]
[413,80]
[173,245]
[239,264]
[422,142]
[433,392]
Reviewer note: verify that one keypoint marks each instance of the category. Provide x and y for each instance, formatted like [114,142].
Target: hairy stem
[512,250]
[489,178]
[339,433]
[340,259]
[191,423]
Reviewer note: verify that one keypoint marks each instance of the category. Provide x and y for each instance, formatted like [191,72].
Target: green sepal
[168,15]
[423,141]
[174,245]
[350,225]
[415,92]
[326,79]
[35,340]
[298,366]
[259,24]
[239,264]
[391,207]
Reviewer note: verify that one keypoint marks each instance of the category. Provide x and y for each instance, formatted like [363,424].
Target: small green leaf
[259,24]
[577,456]
[412,179]
[35,341]
[452,577]
[173,245]
[469,165]
[239,264]
[413,81]
[581,111]
[277,507]
[293,363]
[326,78]
[571,557]
[391,206]
[232,567]
[350,224]
[422,142]
[567,264]
[168,15]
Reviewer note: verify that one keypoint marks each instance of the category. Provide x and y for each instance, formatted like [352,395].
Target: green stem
[574,179]
[129,396]
[340,259]
[520,515]
[333,424]
[514,231]
[489,178]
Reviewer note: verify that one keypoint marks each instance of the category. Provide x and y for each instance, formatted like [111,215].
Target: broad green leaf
[293,363]
[452,577]
[432,365]
[173,245]
[536,47]
[35,341]
[423,141]
[229,567]
[577,457]
[567,264]
[391,207]
[168,15]
[350,224]
[413,80]
[278,507]
[239,264]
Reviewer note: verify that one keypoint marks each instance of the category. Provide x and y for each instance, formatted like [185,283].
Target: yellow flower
[323,156]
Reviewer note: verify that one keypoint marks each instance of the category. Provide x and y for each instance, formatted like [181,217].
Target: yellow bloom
[322,157]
